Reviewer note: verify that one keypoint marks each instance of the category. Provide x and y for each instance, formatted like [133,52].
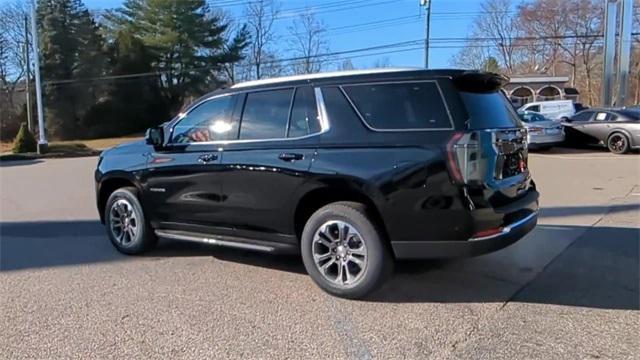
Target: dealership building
[524,89]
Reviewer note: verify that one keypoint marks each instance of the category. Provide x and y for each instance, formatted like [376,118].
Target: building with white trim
[524,89]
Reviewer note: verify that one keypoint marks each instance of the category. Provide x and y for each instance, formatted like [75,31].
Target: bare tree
[261,15]
[472,56]
[548,19]
[13,40]
[308,43]
[500,27]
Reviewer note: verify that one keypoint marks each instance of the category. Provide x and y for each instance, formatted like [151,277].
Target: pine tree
[24,142]
[71,49]
[491,65]
[186,41]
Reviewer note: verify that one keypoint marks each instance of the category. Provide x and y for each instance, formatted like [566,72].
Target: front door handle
[290,156]
[207,158]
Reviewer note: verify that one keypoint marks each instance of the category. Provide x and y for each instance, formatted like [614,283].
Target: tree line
[554,37]
[119,71]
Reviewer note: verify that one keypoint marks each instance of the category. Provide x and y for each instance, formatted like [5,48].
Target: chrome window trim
[324,123]
[286,128]
[322,111]
[355,108]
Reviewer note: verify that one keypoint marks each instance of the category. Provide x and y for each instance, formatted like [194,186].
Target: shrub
[24,142]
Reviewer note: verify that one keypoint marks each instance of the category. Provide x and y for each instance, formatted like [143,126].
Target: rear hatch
[490,155]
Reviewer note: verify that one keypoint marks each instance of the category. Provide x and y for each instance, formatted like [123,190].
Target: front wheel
[618,143]
[126,225]
[344,252]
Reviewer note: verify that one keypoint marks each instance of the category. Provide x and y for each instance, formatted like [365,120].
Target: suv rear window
[400,106]
[489,110]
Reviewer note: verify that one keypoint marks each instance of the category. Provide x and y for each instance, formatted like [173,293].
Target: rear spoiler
[478,81]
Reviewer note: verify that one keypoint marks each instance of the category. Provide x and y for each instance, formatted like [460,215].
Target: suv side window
[304,113]
[265,115]
[400,106]
[209,121]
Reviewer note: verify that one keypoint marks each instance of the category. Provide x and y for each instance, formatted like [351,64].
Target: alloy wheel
[339,253]
[617,143]
[123,222]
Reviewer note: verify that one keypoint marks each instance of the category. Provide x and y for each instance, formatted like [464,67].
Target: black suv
[351,169]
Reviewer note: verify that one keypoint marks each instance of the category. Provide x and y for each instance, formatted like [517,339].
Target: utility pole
[611,16]
[427,6]
[618,20]
[624,51]
[42,140]
[28,73]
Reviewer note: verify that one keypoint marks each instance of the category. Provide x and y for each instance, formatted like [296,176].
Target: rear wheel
[343,250]
[618,143]
[126,225]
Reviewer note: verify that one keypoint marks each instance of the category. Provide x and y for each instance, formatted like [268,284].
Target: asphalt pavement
[570,289]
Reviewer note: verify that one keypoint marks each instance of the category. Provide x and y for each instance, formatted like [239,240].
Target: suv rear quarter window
[400,106]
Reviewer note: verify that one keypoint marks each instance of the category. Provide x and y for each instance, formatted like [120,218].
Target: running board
[226,241]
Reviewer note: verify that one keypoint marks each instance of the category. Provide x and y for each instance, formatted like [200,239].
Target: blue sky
[450,18]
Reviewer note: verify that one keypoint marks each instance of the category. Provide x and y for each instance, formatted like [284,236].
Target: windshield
[531,117]
[489,110]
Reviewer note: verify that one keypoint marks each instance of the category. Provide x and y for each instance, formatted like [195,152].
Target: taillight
[452,161]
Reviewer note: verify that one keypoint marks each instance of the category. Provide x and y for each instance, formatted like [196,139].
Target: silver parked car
[617,129]
[543,133]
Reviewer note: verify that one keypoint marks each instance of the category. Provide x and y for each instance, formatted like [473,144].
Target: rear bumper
[472,247]
[545,140]
[535,146]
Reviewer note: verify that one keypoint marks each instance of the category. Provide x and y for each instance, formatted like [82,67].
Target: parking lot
[570,289]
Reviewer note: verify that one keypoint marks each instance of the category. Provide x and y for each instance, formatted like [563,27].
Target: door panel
[597,126]
[263,170]
[258,185]
[183,186]
[182,183]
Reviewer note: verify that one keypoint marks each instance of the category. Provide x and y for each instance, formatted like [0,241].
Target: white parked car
[542,133]
[554,110]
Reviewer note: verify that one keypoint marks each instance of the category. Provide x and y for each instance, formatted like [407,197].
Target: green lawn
[74,147]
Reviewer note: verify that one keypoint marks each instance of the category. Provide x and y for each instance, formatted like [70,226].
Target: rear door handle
[207,158]
[290,156]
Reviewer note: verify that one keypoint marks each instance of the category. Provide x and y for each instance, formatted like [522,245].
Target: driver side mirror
[155,136]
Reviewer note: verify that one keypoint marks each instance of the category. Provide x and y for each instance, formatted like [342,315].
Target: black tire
[378,260]
[144,238]
[618,143]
